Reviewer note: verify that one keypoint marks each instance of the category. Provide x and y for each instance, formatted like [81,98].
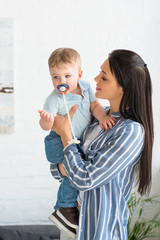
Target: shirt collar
[83,86]
[113,114]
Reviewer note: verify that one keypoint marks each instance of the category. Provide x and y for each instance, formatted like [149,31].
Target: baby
[66,73]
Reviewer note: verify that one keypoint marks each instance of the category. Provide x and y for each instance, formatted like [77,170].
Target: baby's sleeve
[51,104]
[92,96]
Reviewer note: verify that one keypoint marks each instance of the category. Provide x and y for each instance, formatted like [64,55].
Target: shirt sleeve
[55,172]
[104,164]
[92,95]
[51,104]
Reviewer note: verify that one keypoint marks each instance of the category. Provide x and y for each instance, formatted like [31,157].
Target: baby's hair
[64,56]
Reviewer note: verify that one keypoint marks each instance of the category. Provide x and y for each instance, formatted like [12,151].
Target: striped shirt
[106,177]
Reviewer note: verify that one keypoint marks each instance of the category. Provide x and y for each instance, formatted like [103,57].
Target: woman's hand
[61,169]
[62,127]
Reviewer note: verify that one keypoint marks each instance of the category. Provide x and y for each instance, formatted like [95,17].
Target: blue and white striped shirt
[106,177]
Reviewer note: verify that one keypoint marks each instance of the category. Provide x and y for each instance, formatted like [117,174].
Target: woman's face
[107,85]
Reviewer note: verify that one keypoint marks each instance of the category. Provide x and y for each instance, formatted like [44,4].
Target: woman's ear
[122,90]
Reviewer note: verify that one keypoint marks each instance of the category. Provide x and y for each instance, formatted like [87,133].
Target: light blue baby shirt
[55,104]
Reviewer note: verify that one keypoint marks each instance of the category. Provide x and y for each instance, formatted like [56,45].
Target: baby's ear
[80,74]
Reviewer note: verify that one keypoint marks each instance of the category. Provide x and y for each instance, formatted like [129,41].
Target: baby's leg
[66,216]
[53,148]
[67,194]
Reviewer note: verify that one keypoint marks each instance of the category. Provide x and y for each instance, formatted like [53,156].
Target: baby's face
[66,74]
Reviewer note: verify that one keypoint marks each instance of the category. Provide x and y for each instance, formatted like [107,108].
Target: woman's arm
[105,164]
[55,172]
[62,128]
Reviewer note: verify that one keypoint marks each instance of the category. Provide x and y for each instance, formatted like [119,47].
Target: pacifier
[63,88]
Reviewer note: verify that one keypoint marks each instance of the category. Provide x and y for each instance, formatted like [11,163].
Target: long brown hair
[133,76]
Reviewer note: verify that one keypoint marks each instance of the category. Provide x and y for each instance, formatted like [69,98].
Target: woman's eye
[104,79]
[67,76]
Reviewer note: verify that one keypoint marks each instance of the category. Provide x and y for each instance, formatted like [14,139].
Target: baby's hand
[46,116]
[106,122]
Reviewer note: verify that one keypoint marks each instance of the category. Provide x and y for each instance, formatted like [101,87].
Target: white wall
[94,28]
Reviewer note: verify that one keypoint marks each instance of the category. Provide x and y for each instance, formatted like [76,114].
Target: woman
[104,174]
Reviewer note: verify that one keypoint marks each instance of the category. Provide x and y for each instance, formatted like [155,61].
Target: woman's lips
[97,88]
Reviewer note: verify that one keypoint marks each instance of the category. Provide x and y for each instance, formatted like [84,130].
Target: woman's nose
[96,78]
